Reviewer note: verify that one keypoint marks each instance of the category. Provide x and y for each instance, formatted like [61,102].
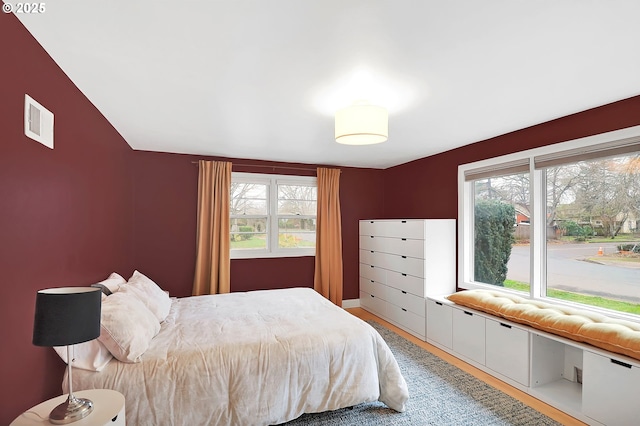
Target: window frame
[537,189]
[272,181]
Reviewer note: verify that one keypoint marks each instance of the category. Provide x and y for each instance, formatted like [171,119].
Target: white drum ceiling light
[362,124]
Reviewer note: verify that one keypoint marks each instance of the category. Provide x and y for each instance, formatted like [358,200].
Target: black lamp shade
[67,315]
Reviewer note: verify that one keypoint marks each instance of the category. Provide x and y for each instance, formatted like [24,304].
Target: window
[557,222]
[501,223]
[272,215]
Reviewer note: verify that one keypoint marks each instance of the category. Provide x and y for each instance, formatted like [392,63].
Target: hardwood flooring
[534,403]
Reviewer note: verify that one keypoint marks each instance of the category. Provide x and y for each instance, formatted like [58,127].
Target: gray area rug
[439,394]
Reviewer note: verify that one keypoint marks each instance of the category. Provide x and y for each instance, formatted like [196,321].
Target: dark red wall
[427,188]
[165,218]
[72,215]
[65,214]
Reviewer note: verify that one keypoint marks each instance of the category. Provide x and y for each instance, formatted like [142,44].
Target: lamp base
[73,409]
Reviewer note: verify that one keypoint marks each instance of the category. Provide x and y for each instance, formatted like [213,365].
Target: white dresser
[401,263]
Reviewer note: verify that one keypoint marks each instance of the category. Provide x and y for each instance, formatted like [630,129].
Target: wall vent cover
[38,122]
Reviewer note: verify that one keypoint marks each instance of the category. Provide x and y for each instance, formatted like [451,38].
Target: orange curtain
[212,244]
[328,273]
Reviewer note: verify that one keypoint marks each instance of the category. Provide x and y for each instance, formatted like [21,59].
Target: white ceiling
[261,79]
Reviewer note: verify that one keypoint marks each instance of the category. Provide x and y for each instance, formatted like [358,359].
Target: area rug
[439,394]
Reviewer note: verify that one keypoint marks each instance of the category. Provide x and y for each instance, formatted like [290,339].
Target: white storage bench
[503,335]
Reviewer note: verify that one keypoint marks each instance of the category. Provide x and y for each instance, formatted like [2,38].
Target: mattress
[252,358]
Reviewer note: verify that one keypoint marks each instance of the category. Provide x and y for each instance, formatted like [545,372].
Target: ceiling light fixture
[362,124]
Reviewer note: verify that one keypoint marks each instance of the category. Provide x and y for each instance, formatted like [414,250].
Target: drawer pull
[371,236]
[371,295]
[113,420]
[371,280]
[372,251]
[404,239]
[372,266]
[404,275]
[439,303]
[468,313]
[371,222]
[404,309]
[404,257]
[403,292]
[505,325]
[404,221]
[623,364]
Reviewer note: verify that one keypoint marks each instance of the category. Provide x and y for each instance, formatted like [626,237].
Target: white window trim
[538,246]
[272,181]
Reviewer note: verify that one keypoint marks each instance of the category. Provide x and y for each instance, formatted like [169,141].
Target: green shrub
[573,229]
[244,237]
[494,226]
[634,247]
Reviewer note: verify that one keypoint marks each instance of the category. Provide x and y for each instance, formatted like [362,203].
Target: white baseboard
[351,303]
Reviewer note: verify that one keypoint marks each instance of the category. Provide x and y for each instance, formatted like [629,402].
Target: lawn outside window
[560,223]
[272,215]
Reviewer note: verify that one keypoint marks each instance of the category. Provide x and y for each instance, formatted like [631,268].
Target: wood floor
[534,403]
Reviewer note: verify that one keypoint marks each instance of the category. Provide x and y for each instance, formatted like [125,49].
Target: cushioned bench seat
[611,334]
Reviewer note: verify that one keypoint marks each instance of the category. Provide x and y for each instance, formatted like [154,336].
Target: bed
[259,358]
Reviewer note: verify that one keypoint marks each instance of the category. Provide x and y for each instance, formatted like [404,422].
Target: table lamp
[66,316]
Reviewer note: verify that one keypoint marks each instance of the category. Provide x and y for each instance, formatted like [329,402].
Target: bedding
[260,357]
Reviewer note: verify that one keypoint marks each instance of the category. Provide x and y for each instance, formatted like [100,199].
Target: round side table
[108,409]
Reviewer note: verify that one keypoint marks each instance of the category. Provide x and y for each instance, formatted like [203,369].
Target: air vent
[38,122]
[34,119]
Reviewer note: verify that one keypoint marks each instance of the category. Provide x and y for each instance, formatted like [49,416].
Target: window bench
[614,335]
[582,363]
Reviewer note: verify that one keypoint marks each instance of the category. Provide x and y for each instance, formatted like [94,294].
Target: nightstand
[108,409]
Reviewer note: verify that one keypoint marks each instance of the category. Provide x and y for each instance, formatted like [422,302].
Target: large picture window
[560,223]
[272,215]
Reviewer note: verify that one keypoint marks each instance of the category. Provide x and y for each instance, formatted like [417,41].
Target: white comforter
[262,357]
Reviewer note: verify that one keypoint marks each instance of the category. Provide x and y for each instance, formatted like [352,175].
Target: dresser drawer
[407,319]
[393,228]
[401,246]
[468,334]
[373,304]
[375,258]
[439,322]
[408,283]
[507,350]
[368,257]
[373,273]
[374,288]
[406,300]
[609,390]
[367,227]
[369,242]
[403,229]
[403,264]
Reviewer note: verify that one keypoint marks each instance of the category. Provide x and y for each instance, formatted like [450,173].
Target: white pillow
[112,283]
[127,326]
[91,355]
[153,297]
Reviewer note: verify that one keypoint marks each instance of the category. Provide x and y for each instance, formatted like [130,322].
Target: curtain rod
[268,167]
